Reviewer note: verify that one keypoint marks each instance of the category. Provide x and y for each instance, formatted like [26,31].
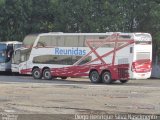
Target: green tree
[21,17]
[13,20]
[80,15]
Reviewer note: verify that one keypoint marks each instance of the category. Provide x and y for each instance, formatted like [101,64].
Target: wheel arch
[35,67]
[92,70]
[45,68]
[105,70]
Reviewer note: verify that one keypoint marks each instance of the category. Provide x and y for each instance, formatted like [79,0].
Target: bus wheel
[106,77]
[94,77]
[47,74]
[123,81]
[63,78]
[36,73]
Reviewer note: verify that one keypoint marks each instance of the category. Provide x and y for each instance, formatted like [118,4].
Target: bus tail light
[133,67]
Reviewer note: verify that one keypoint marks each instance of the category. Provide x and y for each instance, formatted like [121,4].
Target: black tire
[63,78]
[47,74]
[36,73]
[106,77]
[94,77]
[123,81]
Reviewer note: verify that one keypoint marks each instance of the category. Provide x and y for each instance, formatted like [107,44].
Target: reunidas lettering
[69,51]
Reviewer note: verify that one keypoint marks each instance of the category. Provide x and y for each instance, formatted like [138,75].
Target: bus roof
[136,35]
[10,42]
[107,33]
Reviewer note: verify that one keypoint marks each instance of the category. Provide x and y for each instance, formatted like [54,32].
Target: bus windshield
[2,53]
[29,40]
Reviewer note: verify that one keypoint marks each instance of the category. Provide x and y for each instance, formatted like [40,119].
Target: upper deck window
[29,40]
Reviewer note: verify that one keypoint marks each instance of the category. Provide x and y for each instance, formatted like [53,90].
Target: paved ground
[74,97]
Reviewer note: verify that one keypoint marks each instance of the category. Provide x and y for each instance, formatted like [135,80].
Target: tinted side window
[16,57]
[96,40]
[81,41]
[45,41]
[71,41]
[86,60]
[56,59]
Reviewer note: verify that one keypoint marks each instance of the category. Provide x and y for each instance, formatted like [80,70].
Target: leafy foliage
[21,17]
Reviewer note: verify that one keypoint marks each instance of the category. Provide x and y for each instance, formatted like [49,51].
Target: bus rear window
[142,55]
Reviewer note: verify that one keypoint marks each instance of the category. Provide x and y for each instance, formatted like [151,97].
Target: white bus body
[97,55]
[6,51]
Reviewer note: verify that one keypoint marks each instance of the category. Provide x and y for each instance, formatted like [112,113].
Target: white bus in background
[104,57]
[6,50]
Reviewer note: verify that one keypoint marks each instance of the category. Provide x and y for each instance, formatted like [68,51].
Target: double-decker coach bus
[104,57]
[6,51]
